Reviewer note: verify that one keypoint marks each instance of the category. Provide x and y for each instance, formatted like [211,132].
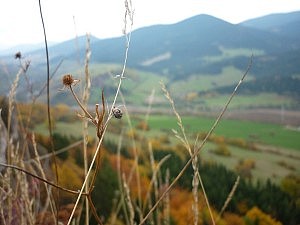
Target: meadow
[263,133]
[277,153]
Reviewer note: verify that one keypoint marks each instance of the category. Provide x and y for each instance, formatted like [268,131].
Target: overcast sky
[20,20]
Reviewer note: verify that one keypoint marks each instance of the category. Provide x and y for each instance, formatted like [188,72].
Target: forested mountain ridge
[198,46]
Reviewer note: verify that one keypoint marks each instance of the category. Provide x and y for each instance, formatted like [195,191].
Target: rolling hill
[196,51]
[284,24]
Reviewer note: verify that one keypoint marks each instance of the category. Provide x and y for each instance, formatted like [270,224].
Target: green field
[203,82]
[273,165]
[269,134]
[264,133]
[138,85]
[233,52]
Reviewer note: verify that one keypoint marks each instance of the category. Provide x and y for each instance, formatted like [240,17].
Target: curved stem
[41,179]
[81,106]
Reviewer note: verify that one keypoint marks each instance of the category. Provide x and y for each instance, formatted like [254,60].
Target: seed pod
[117,113]
[18,55]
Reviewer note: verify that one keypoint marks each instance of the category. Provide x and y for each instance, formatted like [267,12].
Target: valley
[200,61]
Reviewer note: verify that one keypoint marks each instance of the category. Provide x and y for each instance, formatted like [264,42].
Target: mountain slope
[179,50]
[285,24]
[197,47]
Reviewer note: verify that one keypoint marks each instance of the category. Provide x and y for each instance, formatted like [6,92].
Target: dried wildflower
[26,65]
[117,113]
[68,80]
[18,55]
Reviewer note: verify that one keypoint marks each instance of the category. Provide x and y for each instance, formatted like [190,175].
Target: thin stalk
[86,178]
[41,179]
[48,104]
[201,145]
[86,94]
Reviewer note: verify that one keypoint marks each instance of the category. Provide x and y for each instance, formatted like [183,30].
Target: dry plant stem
[128,201]
[11,100]
[128,36]
[196,175]
[203,142]
[128,12]
[41,179]
[48,105]
[86,177]
[85,98]
[120,182]
[35,97]
[93,208]
[48,77]
[236,183]
[87,114]
[57,152]
[39,165]
[135,167]
[167,201]
[9,153]
[154,181]
[155,170]
[179,121]
[206,200]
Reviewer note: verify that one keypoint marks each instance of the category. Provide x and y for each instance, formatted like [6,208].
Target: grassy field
[231,53]
[264,133]
[203,82]
[269,134]
[266,165]
[138,85]
[273,165]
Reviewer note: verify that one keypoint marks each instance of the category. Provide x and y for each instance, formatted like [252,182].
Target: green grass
[267,164]
[139,84]
[203,82]
[228,53]
[270,134]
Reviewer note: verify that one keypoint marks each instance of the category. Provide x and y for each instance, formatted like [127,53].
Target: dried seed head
[117,113]
[68,80]
[18,55]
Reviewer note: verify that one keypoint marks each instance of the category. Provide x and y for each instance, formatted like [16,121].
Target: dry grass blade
[87,175]
[166,213]
[236,183]
[202,144]
[48,103]
[128,201]
[37,161]
[40,178]
[85,98]
[93,208]
[100,117]
[155,170]
[57,152]
[185,142]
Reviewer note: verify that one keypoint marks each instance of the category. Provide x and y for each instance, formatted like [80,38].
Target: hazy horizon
[104,19]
